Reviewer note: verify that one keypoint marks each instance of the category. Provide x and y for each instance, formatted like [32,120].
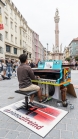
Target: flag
[1,26]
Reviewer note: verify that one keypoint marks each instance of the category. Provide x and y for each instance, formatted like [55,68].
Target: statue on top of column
[57,12]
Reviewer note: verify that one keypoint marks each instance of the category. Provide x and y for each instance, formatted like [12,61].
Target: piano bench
[27,94]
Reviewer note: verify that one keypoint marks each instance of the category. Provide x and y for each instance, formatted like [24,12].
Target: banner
[1,25]
[39,118]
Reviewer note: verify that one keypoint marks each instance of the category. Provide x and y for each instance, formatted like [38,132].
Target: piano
[52,76]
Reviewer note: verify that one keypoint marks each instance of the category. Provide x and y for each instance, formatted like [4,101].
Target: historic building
[37,48]
[57,51]
[66,53]
[2,4]
[72,49]
[15,27]
[29,43]
[16,37]
[73,46]
[49,55]
[41,51]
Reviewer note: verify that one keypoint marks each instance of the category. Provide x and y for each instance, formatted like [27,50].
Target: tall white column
[56,19]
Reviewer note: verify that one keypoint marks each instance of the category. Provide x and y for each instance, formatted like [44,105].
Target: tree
[67,59]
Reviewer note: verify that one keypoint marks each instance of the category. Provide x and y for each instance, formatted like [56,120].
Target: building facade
[29,43]
[49,55]
[41,51]
[17,37]
[72,50]
[2,4]
[15,31]
[66,52]
[37,48]
[73,46]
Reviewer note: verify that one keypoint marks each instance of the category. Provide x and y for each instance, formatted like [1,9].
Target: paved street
[67,128]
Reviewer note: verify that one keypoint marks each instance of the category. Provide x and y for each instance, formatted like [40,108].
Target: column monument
[57,51]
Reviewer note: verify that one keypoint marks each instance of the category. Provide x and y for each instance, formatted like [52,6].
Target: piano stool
[27,94]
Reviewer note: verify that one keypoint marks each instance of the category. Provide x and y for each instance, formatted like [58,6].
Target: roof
[75,39]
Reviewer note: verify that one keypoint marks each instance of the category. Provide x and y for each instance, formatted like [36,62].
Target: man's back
[25,74]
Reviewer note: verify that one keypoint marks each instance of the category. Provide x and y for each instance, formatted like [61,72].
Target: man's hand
[37,77]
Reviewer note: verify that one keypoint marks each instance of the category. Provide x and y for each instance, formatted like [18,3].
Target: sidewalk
[67,128]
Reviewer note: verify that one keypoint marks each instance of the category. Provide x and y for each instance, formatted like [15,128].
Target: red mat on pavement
[39,118]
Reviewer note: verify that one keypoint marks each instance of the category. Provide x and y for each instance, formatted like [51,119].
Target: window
[29,55]
[11,11]
[15,50]
[26,37]
[15,28]
[1,50]
[11,25]
[23,34]
[6,20]
[24,52]
[8,48]
[0,10]
[16,40]
[6,35]
[1,37]
[11,38]
[20,42]
[15,16]
[23,43]
[6,5]
[20,31]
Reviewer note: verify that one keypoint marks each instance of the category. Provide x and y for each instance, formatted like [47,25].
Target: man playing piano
[25,75]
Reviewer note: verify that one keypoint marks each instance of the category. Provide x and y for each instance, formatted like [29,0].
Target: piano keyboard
[46,80]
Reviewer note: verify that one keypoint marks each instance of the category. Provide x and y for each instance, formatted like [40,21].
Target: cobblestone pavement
[67,128]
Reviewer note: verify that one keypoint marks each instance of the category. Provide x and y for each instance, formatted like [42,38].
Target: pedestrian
[76,65]
[37,62]
[4,68]
[32,65]
[9,69]
[16,65]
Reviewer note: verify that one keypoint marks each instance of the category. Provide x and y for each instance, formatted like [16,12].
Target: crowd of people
[8,67]
[73,63]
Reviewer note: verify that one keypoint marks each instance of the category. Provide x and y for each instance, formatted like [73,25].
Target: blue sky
[39,15]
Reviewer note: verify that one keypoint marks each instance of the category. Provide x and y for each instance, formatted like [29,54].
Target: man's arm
[31,73]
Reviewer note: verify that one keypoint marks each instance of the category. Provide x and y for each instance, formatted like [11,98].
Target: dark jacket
[25,75]
[32,65]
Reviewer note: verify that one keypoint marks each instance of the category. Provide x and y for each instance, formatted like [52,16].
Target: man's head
[9,60]
[23,58]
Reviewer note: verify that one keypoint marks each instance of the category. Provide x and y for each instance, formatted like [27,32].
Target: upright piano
[52,76]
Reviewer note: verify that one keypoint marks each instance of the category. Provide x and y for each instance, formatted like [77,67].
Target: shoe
[44,100]
[3,77]
[31,103]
